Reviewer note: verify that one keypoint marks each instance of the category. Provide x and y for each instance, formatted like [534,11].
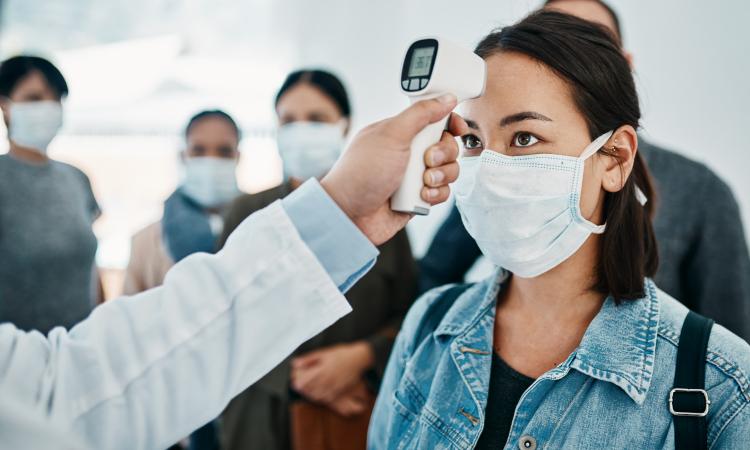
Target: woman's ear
[630,58]
[347,126]
[619,156]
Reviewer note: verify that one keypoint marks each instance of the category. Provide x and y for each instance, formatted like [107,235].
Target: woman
[569,344]
[47,269]
[325,393]
[192,219]
[193,214]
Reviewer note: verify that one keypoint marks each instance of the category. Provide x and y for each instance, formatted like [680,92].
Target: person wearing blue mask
[47,270]
[569,344]
[325,392]
[192,219]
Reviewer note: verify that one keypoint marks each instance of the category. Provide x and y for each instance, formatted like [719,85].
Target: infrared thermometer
[433,67]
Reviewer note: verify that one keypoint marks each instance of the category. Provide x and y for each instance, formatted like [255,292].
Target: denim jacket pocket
[405,427]
[421,427]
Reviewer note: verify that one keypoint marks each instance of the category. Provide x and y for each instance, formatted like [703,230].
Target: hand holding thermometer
[433,67]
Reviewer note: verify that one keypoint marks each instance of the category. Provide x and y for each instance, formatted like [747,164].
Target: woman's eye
[524,140]
[471,142]
[198,150]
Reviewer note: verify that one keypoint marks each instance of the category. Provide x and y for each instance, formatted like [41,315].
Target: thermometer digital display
[433,67]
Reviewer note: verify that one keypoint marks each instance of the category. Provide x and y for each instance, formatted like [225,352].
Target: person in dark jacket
[326,391]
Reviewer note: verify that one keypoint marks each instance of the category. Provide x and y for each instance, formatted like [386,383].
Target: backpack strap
[688,399]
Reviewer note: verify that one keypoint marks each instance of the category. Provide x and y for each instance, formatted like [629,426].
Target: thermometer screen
[421,60]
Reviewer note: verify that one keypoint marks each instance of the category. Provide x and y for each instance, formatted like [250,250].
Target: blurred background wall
[139,68]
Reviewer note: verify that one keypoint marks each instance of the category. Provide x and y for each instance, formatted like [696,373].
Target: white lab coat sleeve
[141,372]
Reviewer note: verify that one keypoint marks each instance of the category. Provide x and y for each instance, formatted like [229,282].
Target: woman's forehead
[33,83]
[516,83]
[307,97]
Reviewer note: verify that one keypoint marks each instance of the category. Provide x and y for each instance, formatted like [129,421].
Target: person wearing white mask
[192,218]
[142,371]
[569,344]
[193,214]
[325,392]
[47,269]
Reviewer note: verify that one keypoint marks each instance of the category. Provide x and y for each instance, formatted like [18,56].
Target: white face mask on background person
[33,125]
[524,211]
[309,149]
[210,181]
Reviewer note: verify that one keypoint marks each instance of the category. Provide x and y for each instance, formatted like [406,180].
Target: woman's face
[527,109]
[306,103]
[31,88]
[212,137]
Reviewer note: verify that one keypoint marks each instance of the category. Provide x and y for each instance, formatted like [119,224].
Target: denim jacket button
[527,443]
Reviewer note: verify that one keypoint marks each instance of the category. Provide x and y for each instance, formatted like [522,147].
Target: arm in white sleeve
[143,371]
[326,230]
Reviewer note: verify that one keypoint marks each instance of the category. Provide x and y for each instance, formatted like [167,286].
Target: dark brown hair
[14,70]
[592,63]
[610,11]
[328,83]
[213,114]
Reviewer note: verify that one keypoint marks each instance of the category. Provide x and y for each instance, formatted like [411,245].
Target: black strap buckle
[690,392]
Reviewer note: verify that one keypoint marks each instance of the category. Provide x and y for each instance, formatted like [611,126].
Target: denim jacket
[610,393]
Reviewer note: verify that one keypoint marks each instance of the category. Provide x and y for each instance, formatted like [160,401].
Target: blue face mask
[211,182]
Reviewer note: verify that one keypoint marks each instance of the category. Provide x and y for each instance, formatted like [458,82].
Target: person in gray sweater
[703,253]
[47,208]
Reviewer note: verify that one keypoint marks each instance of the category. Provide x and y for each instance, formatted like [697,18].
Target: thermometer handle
[408,197]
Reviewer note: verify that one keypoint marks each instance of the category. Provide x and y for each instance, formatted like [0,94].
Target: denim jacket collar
[618,346]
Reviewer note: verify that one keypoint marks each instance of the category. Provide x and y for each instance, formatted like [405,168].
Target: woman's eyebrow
[471,124]
[526,115]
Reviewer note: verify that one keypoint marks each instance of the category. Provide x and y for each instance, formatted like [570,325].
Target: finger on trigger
[435,195]
[457,125]
[436,155]
[450,146]
[442,175]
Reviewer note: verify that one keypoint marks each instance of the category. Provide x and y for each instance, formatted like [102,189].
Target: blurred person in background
[703,253]
[143,371]
[192,219]
[323,396]
[47,208]
[193,215]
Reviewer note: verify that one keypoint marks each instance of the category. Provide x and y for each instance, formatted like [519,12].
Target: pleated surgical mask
[310,149]
[524,211]
[33,125]
[210,181]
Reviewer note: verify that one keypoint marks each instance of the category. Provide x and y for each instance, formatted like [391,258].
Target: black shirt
[506,388]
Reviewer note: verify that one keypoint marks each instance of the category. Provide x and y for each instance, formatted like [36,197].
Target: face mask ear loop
[640,196]
[590,149]
[596,145]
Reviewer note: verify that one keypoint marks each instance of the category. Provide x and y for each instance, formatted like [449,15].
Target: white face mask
[524,211]
[33,125]
[309,149]
[211,182]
